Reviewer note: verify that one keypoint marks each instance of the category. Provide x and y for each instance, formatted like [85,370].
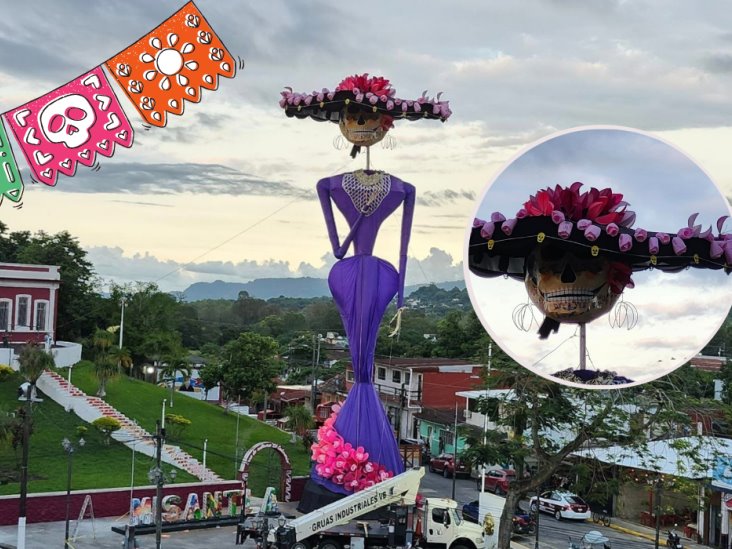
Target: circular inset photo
[600,257]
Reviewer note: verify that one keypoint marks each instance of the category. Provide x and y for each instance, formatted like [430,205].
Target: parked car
[563,505]
[523,523]
[497,480]
[445,464]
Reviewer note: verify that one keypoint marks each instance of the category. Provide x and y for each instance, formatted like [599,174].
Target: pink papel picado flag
[70,124]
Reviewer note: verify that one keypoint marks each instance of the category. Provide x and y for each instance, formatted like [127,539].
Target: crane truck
[434,523]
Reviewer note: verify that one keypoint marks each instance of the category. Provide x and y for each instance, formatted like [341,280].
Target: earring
[623,315]
[523,317]
[339,143]
[388,143]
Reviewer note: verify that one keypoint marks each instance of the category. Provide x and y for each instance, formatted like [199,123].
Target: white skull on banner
[68,120]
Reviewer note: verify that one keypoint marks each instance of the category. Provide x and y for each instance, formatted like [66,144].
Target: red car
[497,480]
[445,464]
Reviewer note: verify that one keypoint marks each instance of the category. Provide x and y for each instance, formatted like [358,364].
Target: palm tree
[175,362]
[121,357]
[299,419]
[33,361]
[105,368]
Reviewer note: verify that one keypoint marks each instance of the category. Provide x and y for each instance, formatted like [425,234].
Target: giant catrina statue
[576,250]
[356,447]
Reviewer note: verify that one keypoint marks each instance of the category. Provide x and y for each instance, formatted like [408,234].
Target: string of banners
[74,123]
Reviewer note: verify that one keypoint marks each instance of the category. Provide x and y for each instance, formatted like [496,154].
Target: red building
[410,386]
[28,302]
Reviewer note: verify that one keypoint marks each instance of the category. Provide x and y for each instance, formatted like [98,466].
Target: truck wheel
[533,507]
[459,546]
[329,544]
[300,545]
[558,514]
[432,469]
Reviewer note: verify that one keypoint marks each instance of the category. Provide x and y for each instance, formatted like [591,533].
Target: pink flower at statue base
[343,464]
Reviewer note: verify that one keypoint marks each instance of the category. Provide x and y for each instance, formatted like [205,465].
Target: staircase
[131,434]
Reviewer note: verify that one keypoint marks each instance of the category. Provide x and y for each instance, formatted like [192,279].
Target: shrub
[6,372]
[175,425]
[107,426]
[81,431]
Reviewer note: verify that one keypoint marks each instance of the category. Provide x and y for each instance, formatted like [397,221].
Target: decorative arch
[285,484]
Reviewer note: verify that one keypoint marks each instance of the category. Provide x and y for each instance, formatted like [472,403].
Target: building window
[22,311]
[446,438]
[349,375]
[6,308]
[407,378]
[41,316]
[381,373]
[396,376]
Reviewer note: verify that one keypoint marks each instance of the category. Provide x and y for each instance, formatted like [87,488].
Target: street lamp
[69,448]
[156,475]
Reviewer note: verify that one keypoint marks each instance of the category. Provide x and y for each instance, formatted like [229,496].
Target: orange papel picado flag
[171,64]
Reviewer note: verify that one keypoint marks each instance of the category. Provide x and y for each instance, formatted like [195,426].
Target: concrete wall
[66,353]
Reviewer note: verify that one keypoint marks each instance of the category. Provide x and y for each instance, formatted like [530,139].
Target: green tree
[249,364]
[211,375]
[107,426]
[78,296]
[151,321]
[549,422]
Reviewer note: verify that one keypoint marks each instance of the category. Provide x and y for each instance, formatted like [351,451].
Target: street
[553,534]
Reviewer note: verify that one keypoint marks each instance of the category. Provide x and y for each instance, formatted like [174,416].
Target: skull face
[568,288]
[67,120]
[362,127]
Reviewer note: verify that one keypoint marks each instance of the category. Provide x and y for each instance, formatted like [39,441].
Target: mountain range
[267,288]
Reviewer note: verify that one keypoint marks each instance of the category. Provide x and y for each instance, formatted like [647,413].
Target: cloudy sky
[663,187]
[227,190]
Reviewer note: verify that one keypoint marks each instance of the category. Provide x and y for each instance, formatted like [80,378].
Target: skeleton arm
[339,250]
[406,231]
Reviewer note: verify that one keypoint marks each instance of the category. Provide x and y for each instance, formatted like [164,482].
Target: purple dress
[363,286]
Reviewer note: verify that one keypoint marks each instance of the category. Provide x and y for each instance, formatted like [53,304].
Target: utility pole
[24,468]
[536,517]
[402,398]
[316,360]
[122,322]
[454,452]
[657,509]
[159,435]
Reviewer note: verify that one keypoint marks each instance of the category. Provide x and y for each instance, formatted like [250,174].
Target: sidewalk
[51,534]
[648,533]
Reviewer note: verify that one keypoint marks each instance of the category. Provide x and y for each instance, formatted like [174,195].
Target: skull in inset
[568,288]
[67,120]
[362,127]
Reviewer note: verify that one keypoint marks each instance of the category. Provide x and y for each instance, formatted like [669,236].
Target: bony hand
[398,319]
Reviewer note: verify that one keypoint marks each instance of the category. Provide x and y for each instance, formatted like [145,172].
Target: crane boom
[399,489]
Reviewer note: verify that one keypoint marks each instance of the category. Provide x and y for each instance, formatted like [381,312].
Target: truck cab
[441,527]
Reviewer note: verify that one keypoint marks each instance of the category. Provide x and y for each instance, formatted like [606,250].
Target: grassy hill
[97,466]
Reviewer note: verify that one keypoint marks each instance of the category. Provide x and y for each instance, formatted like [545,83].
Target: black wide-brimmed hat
[594,223]
[362,93]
